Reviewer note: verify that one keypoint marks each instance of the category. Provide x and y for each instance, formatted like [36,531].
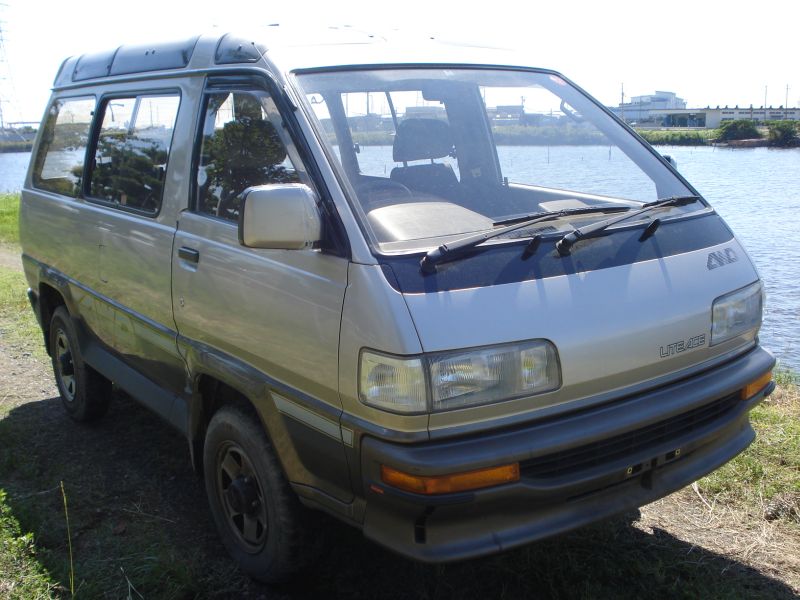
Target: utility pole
[3,66]
[786,104]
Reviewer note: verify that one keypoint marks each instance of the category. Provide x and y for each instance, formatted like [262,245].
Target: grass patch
[18,325]
[9,218]
[23,577]
[769,471]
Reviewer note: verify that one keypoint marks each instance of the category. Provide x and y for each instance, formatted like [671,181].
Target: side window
[130,161]
[241,148]
[59,161]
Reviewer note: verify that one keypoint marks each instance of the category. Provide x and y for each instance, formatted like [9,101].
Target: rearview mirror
[280,216]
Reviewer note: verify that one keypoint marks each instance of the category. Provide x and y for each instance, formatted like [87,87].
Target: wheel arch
[49,299]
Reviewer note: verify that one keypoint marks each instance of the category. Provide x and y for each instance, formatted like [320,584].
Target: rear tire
[85,394]
[257,514]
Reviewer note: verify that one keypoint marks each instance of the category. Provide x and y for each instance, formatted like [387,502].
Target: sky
[708,52]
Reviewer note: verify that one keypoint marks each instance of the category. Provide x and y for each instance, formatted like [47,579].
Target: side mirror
[280,216]
[670,160]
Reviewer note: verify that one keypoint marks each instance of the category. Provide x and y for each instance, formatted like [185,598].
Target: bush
[675,138]
[742,129]
[784,133]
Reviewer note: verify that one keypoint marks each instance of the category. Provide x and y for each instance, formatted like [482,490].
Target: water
[13,166]
[757,191]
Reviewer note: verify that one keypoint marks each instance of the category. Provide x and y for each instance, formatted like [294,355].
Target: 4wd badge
[721,258]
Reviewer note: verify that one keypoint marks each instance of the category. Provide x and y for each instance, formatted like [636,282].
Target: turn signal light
[752,388]
[454,482]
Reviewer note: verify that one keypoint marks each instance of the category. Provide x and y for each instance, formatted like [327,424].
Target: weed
[21,575]
[9,218]
[18,326]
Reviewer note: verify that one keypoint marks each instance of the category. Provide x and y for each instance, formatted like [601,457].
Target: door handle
[189,254]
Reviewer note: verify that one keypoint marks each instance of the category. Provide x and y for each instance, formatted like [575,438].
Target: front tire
[257,514]
[85,394]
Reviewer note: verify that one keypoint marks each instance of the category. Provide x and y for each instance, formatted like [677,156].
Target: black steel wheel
[241,497]
[85,394]
[258,516]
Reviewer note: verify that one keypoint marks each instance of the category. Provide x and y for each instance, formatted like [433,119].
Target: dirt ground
[134,498]
[10,258]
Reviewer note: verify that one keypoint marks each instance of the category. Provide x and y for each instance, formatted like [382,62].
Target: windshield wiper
[565,243]
[456,248]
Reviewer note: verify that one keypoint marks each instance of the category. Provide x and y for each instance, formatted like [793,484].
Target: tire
[85,394]
[257,514]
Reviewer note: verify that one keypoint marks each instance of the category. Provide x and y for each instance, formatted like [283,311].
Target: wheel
[258,516]
[85,394]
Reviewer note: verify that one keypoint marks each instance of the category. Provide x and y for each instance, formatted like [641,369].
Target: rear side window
[241,147]
[59,161]
[130,160]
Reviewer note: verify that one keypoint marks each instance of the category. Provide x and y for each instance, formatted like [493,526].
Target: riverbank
[778,134]
[20,146]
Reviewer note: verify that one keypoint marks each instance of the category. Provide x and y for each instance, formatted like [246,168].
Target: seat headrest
[421,139]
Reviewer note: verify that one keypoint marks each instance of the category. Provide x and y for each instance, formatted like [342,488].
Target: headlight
[392,383]
[737,313]
[459,379]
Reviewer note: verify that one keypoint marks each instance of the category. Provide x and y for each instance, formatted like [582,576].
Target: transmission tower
[5,79]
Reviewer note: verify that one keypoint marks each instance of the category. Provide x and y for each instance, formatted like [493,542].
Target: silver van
[446,297]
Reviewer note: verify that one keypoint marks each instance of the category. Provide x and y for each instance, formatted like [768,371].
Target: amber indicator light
[454,482]
[752,388]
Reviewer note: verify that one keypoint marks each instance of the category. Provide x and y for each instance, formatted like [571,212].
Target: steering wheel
[378,192]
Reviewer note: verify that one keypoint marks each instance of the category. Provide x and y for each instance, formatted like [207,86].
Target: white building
[711,118]
[640,107]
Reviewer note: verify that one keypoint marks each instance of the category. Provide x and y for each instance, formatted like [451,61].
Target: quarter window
[241,147]
[130,161]
[59,161]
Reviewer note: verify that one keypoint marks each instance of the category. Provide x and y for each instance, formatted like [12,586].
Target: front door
[273,312]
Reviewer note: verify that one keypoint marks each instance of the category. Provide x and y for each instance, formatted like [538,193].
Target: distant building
[640,107]
[711,118]
[426,112]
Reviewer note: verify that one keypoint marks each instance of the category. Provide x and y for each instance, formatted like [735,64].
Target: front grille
[627,444]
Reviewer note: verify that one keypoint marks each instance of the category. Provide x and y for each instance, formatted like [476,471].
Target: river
[756,190]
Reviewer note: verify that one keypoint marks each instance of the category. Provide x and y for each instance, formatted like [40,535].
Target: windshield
[434,154]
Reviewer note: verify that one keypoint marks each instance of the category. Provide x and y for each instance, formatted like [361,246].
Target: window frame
[292,151]
[335,240]
[37,167]
[99,114]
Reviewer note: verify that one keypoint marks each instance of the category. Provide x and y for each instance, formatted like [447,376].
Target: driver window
[241,148]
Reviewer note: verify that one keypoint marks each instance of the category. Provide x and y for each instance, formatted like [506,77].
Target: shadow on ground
[139,524]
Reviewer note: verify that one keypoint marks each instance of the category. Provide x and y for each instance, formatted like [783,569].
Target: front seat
[424,139]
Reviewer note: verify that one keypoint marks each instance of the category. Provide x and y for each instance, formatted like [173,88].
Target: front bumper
[575,468]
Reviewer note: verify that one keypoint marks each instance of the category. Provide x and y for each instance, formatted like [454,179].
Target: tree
[741,129]
[783,133]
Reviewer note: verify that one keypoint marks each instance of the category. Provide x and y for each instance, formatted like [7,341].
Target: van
[446,297]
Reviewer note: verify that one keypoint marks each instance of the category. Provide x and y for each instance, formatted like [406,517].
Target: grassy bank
[678,138]
[518,135]
[16,146]
[9,218]
[766,478]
